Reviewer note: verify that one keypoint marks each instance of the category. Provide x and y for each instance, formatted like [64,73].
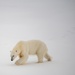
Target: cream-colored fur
[25,48]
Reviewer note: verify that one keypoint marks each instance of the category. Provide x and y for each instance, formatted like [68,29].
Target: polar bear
[32,47]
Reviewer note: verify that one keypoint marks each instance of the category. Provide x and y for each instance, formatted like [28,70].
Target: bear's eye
[16,50]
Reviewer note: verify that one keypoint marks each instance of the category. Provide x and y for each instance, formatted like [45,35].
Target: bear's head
[14,53]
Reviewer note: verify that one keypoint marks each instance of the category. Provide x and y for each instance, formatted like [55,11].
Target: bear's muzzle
[12,58]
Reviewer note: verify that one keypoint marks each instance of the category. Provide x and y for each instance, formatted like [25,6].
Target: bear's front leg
[22,60]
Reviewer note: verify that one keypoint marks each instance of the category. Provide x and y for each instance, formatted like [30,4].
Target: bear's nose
[11,59]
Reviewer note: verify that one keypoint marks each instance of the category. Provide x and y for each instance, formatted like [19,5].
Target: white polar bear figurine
[32,47]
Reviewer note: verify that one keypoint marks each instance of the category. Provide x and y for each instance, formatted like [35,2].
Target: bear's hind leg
[47,57]
[40,59]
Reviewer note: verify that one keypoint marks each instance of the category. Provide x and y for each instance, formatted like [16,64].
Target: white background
[50,21]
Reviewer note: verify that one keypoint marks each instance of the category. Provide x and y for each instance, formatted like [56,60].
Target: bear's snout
[12,58]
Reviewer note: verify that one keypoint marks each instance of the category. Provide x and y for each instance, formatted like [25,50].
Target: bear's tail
[48,57]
